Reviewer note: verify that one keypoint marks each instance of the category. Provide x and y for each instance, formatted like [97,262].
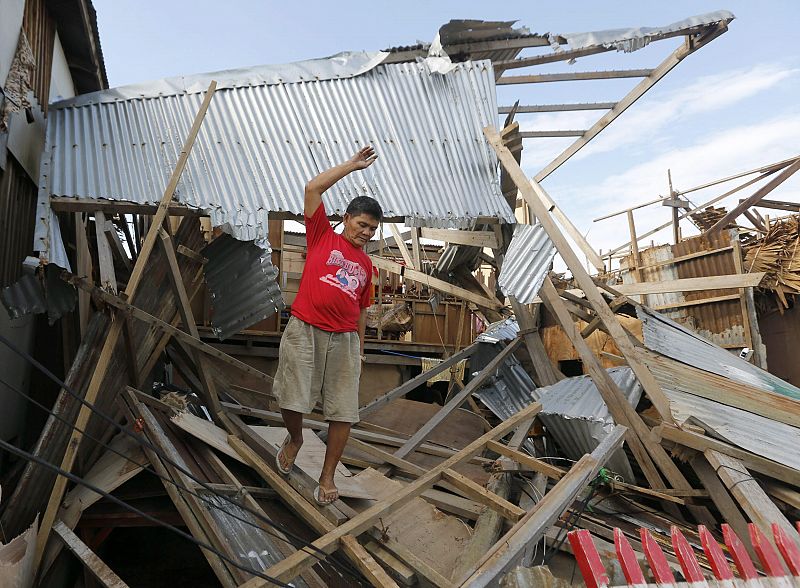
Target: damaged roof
[270,129]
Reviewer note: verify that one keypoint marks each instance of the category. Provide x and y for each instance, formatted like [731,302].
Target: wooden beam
[546,373]
[553,133]
[558,107]
[778,205]
[688,303]
[114,333]
[759,507]
[290,567]
[785,174]
[574,76]
[480,494]
[473,238]
[457,400]
[401,245]
[516,547]
[105,259]
[96,566]
[434,283]
[91,205]
[693,284]
[641,88]
[416,248]
[687,257]
[537,465]
[750,460]
[537,198]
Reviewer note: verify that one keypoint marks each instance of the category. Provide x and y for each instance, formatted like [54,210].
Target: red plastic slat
[627,558]
[740,556]
[788,549]
[716,558]
[656,559]
[685,554]
[766,552]
[594,574]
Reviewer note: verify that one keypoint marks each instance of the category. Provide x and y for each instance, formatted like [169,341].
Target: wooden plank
[116,245]
[84,268]
[533,463]
[473,238]
[114,334]
[291,566]
[722,499]
[91,205]
[754,199]
[105,259]
[416,248]
[423,569]
[516,546]
[530,108]
[365,563]
[480,494]
[553,133]
[693,284]
[750,460]
[574,76]
[434,283]
[637,92]
[546,373]
[101,572]
[748,493]
[398,239]
[457,400]
[648,455]
[688,303]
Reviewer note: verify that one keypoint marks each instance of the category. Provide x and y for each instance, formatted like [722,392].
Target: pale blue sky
[731,106]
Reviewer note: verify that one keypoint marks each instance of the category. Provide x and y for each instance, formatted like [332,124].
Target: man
[323,345]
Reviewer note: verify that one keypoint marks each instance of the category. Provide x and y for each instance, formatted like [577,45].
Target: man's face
[358,229]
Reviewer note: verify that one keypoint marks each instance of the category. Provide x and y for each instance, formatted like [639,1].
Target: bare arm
[317,186]
[362,329]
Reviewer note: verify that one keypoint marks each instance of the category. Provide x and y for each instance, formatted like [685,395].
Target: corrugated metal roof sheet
[243,285]
[671,339]
[25,296]
[577,418]
[526,263]
[765,437]
[508,391]
[503,330]
[262,140]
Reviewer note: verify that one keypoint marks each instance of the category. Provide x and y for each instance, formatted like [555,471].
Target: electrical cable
[78,480]
[349,570]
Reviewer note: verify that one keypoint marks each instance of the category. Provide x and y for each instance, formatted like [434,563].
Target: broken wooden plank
[749,494]
[98,568]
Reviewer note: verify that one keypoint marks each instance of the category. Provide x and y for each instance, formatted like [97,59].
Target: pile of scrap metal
[453,494]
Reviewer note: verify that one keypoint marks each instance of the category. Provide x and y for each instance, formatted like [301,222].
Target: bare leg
[338,432]
[294,424]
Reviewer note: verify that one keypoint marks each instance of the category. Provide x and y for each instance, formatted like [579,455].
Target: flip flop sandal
[286,471]
[317,494]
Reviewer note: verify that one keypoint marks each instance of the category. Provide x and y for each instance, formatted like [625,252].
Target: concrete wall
[10,24]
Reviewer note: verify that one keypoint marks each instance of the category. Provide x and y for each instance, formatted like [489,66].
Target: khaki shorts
[316,365]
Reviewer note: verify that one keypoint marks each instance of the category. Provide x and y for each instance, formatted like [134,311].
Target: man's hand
[364,158]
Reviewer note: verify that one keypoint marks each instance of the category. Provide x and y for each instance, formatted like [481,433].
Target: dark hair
[365,205]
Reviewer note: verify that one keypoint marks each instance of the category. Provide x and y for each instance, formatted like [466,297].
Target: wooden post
[114,334]
[637,261]
[105,259]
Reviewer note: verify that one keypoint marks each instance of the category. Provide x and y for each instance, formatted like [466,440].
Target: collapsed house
[161,231]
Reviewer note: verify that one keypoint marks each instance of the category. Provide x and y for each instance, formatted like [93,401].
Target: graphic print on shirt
[348,278]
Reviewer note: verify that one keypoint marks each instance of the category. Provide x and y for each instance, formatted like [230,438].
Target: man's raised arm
[315,187]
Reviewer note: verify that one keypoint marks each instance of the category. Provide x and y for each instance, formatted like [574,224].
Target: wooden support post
[401,245]
[291,566]
[416,249]
[114,333]
[637,261]
[546,373]
[84,268]
[105,259]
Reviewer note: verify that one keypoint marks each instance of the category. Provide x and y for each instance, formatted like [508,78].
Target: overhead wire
[298,541]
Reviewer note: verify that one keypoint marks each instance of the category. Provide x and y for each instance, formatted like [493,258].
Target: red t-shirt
[336,279]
